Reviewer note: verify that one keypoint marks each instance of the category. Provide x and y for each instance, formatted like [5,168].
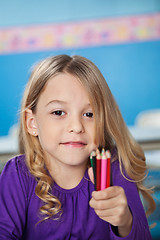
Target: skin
[64,124]
[111,205]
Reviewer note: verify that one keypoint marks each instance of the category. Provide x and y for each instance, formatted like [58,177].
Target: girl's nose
[75,125]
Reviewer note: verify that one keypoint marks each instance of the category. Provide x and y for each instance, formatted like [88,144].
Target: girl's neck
[67,177]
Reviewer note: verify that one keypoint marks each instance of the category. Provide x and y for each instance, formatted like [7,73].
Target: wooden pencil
[93,165]
[103,170]
[98,170]
[108,156]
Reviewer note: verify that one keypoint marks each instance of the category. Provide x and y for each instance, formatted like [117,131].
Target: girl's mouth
[74,144]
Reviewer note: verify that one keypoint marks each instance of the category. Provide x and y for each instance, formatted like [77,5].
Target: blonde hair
[110,128]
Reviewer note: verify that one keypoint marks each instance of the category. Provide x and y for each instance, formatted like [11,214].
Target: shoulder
[16,165]
[121,178]
[118,170]
[16,174]
[115,163]
[16,189]
[15,161]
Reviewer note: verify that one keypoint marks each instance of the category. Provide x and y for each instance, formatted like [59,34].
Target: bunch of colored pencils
[101,164]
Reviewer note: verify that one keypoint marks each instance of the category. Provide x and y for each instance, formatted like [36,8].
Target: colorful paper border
[80,34]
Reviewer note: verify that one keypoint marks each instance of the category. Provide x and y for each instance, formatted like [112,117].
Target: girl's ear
[31,122]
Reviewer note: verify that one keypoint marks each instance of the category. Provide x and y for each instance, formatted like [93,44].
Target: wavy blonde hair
[110,128]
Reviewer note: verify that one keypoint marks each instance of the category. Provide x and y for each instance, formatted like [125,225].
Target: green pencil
[93,165]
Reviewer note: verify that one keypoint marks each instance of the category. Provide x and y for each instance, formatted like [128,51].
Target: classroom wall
[38,11]
[131,68]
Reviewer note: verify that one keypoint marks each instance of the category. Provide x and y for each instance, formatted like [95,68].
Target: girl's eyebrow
[56,101]
[62,103]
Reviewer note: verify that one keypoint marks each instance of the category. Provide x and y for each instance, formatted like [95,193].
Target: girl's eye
[58,113]
[88,114]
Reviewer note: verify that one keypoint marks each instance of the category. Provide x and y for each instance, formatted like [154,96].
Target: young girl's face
[64,121]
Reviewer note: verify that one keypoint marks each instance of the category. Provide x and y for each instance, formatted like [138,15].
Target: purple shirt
[19,209]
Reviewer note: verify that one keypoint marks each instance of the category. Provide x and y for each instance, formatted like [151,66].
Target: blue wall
[131,70]
[20,12]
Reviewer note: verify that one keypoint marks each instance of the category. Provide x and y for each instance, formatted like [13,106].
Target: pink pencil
[103,170]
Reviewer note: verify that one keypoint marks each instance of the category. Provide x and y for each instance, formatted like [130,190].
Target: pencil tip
[97,151]
[108,154]
[98,154]
[93,153]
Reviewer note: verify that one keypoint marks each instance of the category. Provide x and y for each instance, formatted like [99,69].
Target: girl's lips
[74,144]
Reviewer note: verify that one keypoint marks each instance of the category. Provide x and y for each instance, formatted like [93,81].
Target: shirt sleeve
[140,228]
[13,201]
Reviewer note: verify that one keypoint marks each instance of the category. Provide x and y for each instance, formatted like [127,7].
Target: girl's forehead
[65,87]
[66,82]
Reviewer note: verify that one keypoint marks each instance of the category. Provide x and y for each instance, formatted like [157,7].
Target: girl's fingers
[108,193]
[106,212]
[104,204]
[111,205]
[90,173]
[116,216]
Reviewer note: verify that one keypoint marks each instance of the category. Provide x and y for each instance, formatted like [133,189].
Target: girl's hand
[111,205]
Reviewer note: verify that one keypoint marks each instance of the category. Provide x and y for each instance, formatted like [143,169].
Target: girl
[46,192]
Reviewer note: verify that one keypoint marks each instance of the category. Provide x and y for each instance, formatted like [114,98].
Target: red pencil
[98,170]
[108,182]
